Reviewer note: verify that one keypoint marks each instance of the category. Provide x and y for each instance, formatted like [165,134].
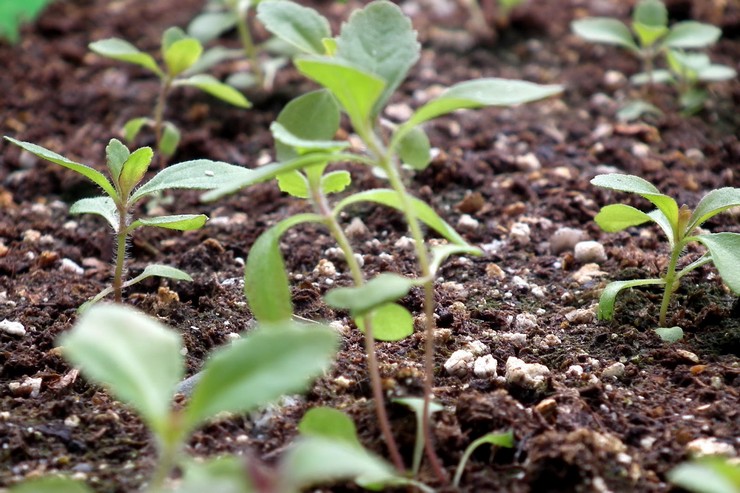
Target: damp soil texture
[617,407]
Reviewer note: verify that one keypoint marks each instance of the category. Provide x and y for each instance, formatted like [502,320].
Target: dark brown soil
[587,432]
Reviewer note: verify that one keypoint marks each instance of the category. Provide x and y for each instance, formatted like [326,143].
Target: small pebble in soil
[495,272]
[325,268]
[530,376]
[565,240]
[574,371]
[687,355]
[459,363]
[12,327]
[615,370]
[589,252]
[72,421]
[356,229]
[587,273]
[69,265]
[614,79]
[467,223]
[640,150]
[485,366]
[527,162]
[703,447]
[404,243]
[30,387]
[476,347]
[518,340]
[547,407]
[3,249]
[520,233]
[580,316]
[31,236]
[525,321]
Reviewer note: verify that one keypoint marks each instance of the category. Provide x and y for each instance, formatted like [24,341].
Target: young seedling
[124,190]
[690,72]
[680,225]
[360,69]
[140,361]
[495,439]
[648,35]
[180,53]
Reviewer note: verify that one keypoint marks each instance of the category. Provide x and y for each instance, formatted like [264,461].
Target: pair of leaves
[140,361]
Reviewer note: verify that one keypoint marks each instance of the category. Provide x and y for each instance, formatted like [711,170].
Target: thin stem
[164,90]
[670,283]
[250,50]
[322,207]
[166,462]
[121,237]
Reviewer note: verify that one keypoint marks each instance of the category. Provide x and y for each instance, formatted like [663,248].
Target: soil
[621,406]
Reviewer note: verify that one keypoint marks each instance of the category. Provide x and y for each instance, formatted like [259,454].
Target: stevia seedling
[125,189]
[360,69]
[680,226]
[181,55]
[140,361]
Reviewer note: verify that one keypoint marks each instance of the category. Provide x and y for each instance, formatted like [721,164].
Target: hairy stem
[670,283]
[121,237]
[250,50]
[322,208]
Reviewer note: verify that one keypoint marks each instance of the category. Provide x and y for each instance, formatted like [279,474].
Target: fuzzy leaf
[293,183]
[609,295]
[157,270]
[91,174]
[670,334]
[132,128]
[414,149]
[116,154]
[441,252]
[651,13]
[423,211]
[256,370]
[692,34]
[119,49]
[181,55]
[335,182]
[210,25]
[604,30]
[134,169]
[132,354]
[480,93]
[170,139]
[616,217]
[355,89]
[725,251]
[170,36]
[379,38]
[716,73]
[378,291]
[303,146]
[713,203]
[200,174]
[312,116]
[391,322]
[181,222]
[217,89]
[300,26]
[265,280]
[329,423]
[648,35]
[102,206]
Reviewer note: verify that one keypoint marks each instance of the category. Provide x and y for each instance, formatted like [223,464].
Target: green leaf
[51,484]
[335,182]
[227,474]
[355,89]
[725,251]
[609,295]
[134,355]
[716,73]
[266,283]
[604,30]
[311,116]
[648,35]
[414,149]
[210,25]
[635,109]
[132,128]
[643,188]
[212,57]
[14,14]
[374,293]
[256,370]
[170,139]
[157,270]
[479,93]
[134,169]
[119,49]
[670,334]
[379,38]
[616,217]
[422,210]
[102,206]
[116,154]
[216,88]
[318,460]
[391,322]
[659,76]
[711,204]
[181,54]
[496,439]
[91,174]
[294,183]
[692,34]
[170,36]
[304,146]
[181,222]
[651,13]
[200,174]
[707,475]
[441,252]
[329,423]
[300,26]
[416,404]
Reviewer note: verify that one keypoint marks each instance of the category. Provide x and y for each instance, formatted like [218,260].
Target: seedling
[505,439]
[359,71]
[13,14]
[140,361]
[180,53]
[127,170]
[680,227]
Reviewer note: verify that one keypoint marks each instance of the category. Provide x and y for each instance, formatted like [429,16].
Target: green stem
[164,90]
[121,237]
[670,283]
[165,464]
[250,50]
[322,207]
